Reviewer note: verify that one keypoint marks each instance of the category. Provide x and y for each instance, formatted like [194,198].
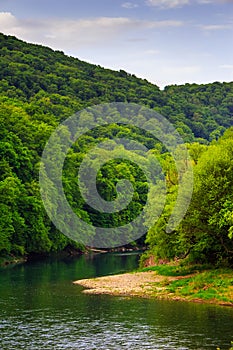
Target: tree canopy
[40,88]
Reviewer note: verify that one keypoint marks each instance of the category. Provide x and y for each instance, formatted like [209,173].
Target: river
[42,309]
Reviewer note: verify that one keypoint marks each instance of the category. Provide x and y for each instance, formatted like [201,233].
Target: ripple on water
[43,310]
[48,333]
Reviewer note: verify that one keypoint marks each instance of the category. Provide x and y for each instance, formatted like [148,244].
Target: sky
[164,41]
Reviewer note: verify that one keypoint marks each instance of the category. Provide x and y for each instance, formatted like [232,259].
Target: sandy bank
[141,284]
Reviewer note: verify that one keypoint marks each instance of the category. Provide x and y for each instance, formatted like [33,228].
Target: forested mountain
[40,87]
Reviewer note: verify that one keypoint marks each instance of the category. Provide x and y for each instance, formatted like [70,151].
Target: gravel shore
[141,284]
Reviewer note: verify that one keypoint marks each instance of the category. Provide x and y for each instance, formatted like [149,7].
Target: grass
[196,282]
[175,269]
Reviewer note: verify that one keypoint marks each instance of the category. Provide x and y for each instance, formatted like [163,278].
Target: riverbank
[167,282]
[67,252]
[12,260]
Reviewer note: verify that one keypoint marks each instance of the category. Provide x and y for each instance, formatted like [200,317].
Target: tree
[207,226]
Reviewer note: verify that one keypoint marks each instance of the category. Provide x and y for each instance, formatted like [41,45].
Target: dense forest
[40,88]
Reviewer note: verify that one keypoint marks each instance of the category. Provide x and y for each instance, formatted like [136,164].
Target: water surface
[42,309]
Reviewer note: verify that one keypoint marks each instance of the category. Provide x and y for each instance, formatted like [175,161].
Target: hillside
[39,88]
[31,73]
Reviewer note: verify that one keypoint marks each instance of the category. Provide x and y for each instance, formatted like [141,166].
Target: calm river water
[40,308]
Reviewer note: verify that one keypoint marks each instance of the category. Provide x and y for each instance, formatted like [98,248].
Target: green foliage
[205,234]
[193,282]
[52,84]
[176,269]
[40,87]
[207,285]
[208,223]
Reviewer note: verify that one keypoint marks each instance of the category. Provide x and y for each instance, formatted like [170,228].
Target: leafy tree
[208,224]
[39,88]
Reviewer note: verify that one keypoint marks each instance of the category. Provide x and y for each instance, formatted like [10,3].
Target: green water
[42,309]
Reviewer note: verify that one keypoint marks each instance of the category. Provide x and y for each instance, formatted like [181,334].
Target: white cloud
[227,66]
[163,24]
[68,34]
[9,23]
[137,39]
[6,18]
[223,1]
[152,52]
[204,2]
[179,74]
[212,27]
[176,70]
[216,2]
[167,3]
[129,5]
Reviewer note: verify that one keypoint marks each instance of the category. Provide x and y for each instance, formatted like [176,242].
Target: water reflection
[42,309]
